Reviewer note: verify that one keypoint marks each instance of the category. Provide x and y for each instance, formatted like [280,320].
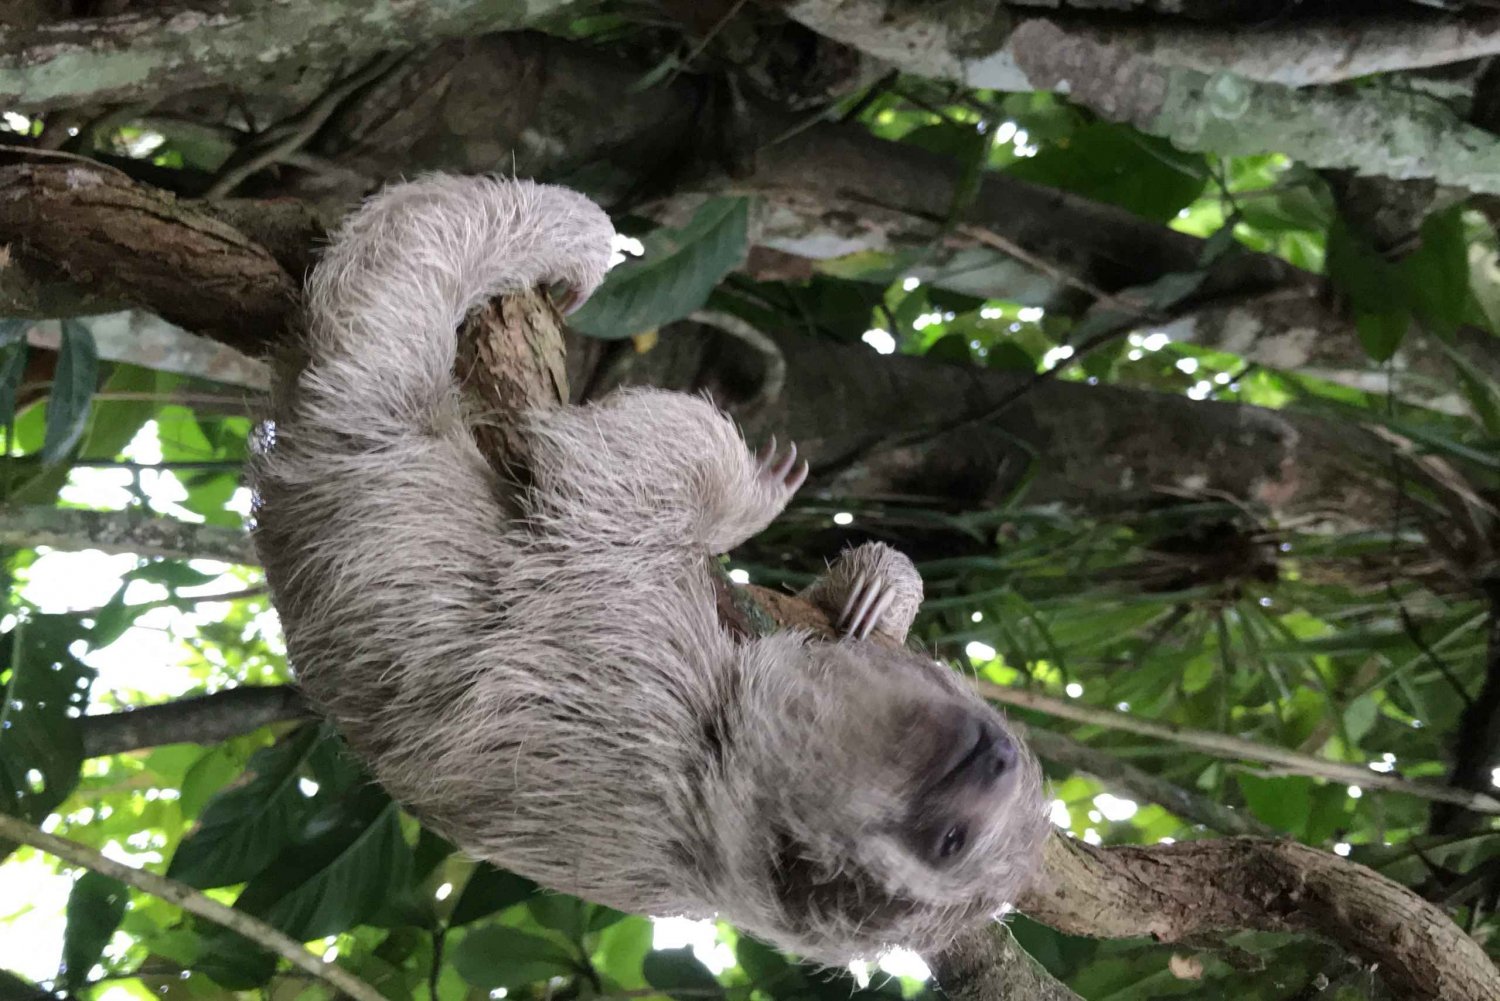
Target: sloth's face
[902,806]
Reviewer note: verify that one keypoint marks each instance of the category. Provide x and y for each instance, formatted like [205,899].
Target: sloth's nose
[996,753]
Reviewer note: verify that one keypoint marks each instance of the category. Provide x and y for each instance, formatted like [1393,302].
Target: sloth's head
[887,804]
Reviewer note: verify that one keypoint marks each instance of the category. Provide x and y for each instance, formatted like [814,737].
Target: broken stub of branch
[511,356]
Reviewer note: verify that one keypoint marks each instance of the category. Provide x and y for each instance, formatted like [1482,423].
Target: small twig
[774,377]
[284,138]
[1223,745]
[995,241]
[190,900]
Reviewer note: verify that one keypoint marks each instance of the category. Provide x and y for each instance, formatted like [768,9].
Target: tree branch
[122,532]
[140,245]
[987,964]
[141,54]
[203,719]
[1140,784]
[1201,108]
[1177,892]
[1476,744]
[1224,745]
[190,900]
[149,341]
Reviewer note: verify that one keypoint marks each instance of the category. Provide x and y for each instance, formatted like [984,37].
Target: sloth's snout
[994,753]
[981,753]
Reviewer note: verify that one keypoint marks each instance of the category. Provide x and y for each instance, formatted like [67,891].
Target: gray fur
[540,674]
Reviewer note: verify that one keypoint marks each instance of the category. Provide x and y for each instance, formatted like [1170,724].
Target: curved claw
[868,601]
[765,452]
[782,470]
[798,477]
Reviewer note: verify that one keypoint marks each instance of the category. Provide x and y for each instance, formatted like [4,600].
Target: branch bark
[829,191]
[1177,892]
[1200,103]
[131,244]
[204,719]
[970,42]
[154,52]
[122,532]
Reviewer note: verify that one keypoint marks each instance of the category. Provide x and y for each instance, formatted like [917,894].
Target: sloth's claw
[868,600]
[781,471]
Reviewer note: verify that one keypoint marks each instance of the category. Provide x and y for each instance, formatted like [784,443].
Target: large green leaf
[246,826]
[679,974]
[95,906]
[72,390]
[488,891]
[340,878]
[493,956]
[45,687]
[1116,164]
[679,270]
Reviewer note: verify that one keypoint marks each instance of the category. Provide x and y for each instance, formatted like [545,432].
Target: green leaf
[1284,802]
[488,891]
[1437,273]
[247,825]
[1360,716]
[1008,356]
[95,906]
[115,423]
[72,390]
[1116,164]
[213,770]
[952,349]
[500,956]
[341,877]
[559,912]
[171,573]
[764,965]
[622,949]
[673,971]
[679,270]
[1382,333]
[45,688]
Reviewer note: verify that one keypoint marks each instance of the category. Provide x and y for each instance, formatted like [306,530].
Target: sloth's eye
[953,842]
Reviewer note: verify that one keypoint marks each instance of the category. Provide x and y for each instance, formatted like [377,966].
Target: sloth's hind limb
[661,469]
[870,588]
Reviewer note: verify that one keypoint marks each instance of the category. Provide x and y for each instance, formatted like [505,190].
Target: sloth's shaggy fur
[539,672]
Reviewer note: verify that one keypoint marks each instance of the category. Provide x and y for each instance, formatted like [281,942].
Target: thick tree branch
[153,52]
[134,244]
[204,719]
[1375,131]
[1178,892]
[970,42]
[828,191]
[194,902]
[122,532]
[987,964]
[149,341]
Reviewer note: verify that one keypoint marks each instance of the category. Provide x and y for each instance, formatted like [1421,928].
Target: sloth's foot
[868,601]
[868,589]
[780,472]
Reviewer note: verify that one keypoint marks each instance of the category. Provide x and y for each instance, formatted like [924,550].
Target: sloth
[535,666]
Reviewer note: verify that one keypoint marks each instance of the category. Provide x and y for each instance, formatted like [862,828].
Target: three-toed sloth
[538,669]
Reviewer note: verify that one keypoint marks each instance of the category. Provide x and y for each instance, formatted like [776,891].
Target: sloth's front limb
[871,588]
[657,468]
